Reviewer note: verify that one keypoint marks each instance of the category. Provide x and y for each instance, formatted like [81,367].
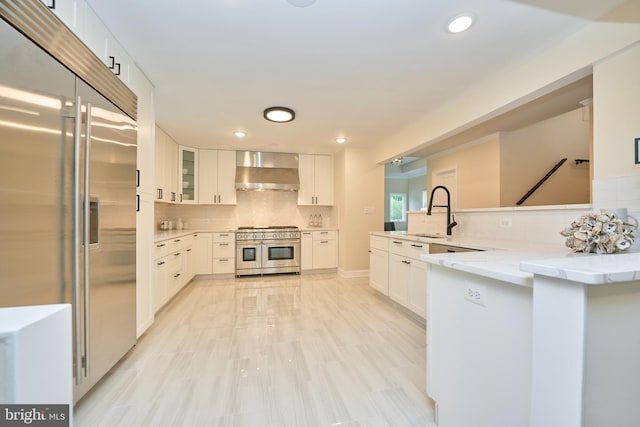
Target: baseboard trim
[353,273]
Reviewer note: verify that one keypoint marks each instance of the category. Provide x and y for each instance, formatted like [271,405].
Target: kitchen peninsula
[536,337]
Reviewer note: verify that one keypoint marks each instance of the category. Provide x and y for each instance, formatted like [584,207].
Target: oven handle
[281,242]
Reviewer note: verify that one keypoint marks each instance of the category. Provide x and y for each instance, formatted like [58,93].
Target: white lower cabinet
[203,248]
[399,279]
[379,264]
[319,250]
[224,253]
[417,290]
[173,268]
[406,281]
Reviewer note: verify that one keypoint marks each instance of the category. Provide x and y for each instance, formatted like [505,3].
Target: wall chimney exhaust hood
[258,170]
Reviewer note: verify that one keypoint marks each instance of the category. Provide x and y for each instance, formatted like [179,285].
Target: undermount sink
[432,236]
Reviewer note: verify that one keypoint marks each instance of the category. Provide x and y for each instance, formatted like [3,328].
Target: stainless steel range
[267,250]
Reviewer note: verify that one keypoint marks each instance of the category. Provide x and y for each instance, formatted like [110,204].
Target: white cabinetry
[217,177]
[379,264]
[319,250]
[203,246]
[166,167]
[173,268]
[408,274]
[224,253]
[66,10]
[316,180]
[306,250]
[188,175]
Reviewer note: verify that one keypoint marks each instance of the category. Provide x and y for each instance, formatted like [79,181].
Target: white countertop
[170,234]
[516,262]
[590,269]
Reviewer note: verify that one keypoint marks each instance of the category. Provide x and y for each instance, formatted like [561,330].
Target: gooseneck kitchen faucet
[450,223]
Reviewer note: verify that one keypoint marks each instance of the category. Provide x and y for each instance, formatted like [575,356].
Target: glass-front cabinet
[188,172]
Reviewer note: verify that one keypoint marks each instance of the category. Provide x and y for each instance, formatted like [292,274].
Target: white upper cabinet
[316,180]
[188,175]
[166,167]
[217,177]
[66,10]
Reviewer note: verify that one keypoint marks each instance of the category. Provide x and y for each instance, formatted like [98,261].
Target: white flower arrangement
[601,233]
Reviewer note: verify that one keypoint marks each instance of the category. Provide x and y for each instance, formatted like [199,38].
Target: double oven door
[281,256]
[267,257]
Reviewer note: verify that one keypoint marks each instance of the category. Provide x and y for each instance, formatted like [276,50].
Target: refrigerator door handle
[77,318]
[85,238]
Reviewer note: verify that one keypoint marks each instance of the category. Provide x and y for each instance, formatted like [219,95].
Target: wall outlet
[475,293]
[505,222]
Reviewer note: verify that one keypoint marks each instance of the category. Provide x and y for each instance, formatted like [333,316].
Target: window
[398,207]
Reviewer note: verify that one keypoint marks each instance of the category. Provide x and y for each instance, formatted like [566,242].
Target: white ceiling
[363,69]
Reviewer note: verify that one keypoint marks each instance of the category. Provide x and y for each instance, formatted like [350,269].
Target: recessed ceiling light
[341,140]
[279,114]
[460,23]
[301,3]
[240,134]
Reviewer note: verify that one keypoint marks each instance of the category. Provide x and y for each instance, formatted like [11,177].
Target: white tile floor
[311,350]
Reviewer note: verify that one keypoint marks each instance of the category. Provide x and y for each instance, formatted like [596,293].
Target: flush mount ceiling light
[240,134]
[301,3]
[341,140]
[279,114]
[460,23]
[397,161]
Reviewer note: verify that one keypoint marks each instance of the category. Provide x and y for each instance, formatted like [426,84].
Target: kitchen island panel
[478,356]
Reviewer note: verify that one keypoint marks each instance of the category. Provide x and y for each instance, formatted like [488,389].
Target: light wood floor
[311,350]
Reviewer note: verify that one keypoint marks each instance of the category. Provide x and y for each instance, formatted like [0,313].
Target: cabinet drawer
[182,242]
[224,265]
[377,242]
[162,248]
[325,235]
[224,250]
[415,249]
[224,237]
[397,246]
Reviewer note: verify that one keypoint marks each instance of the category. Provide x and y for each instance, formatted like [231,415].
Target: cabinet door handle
[112,62]
[137,203]
[224,235]
[223,244]
[177,254]
[416,246]
[117,68]
[161,245]
[173,196]
[159,194]
[397,243]
[180,197]
[177,240]
[177,275]
[52,5]
[219,198]
[369,251]
[405,262]
[188,250]
[224,260]
[161,263]
[324,241]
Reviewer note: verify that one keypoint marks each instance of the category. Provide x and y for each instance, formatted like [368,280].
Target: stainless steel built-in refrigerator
[67,194]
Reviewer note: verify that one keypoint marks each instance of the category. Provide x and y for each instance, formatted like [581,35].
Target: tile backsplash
[535,224]
[253,208]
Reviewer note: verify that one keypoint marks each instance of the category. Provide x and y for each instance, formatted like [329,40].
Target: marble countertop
[517,262]
[590,269]
[170,234]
